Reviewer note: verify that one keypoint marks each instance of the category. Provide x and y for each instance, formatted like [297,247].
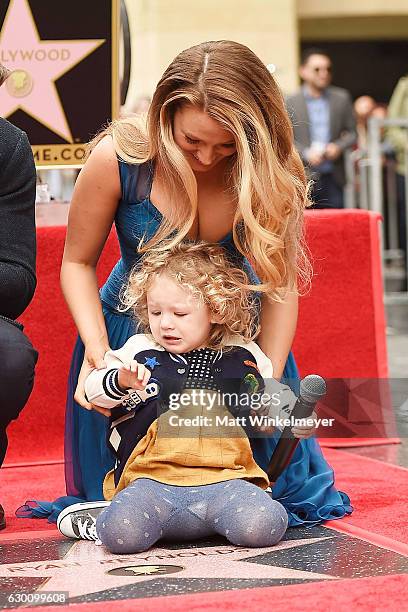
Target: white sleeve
[102,386]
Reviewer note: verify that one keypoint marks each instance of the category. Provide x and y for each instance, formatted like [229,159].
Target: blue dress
[305,488]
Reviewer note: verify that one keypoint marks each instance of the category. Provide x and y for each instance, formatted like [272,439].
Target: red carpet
[341,327]
[378,493]
[24,483]
[347,338]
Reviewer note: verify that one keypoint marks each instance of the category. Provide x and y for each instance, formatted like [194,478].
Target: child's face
[178,321]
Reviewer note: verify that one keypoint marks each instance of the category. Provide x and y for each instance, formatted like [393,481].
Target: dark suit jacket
[342,124]
[17,221]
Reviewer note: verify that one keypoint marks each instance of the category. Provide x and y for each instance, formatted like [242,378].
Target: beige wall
[357,28]
[160,29]
[339,8]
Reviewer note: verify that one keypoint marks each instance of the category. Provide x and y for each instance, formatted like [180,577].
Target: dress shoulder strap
[135,181]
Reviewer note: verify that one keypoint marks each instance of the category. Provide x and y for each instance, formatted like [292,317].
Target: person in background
[363,108]
[324,127]
[398,137]
[380,111]
[17,273]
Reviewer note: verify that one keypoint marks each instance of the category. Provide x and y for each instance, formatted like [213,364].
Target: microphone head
[312,388]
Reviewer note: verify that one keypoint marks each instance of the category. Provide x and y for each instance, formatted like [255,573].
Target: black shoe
[2,518]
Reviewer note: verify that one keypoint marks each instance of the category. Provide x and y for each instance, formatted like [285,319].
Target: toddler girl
[179,423]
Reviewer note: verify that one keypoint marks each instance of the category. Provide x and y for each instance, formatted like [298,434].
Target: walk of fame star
[91,573]
[88,568]
[35,66]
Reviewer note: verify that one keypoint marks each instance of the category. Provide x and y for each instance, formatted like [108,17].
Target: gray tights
[147,511]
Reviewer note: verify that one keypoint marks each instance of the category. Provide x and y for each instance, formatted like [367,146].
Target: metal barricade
[372,184]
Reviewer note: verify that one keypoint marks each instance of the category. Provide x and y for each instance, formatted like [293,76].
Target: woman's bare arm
[92,210]
[278,326]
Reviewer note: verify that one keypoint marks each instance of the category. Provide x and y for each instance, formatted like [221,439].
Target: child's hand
[133,376]
[305,432]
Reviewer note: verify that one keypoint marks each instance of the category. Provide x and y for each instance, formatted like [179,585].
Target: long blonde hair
[203,270]
[231,84]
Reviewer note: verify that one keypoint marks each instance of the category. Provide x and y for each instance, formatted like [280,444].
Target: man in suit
[324,127]
[17,272]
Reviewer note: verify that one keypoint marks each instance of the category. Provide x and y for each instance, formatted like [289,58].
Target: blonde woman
[214,161]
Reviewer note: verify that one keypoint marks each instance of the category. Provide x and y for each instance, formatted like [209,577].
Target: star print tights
[148,511]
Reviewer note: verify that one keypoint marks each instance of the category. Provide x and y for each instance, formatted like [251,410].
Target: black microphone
[312,389]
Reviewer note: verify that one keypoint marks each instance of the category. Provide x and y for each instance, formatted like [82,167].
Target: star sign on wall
[35,65]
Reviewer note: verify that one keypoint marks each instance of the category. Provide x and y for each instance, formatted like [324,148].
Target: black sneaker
[79,520]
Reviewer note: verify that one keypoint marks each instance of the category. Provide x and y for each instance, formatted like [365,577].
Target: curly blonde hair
[231,84]
[203,270]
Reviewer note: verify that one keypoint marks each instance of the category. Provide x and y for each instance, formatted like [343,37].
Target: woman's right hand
[92,360]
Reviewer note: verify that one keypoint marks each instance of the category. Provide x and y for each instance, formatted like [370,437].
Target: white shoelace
[87,528]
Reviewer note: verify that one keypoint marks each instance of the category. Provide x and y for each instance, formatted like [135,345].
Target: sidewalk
[397,339]
[397,344]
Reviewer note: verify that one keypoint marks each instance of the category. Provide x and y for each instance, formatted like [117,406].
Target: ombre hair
[203,270]
[231,84]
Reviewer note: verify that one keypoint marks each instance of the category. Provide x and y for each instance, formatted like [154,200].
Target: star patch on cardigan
[151,362]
